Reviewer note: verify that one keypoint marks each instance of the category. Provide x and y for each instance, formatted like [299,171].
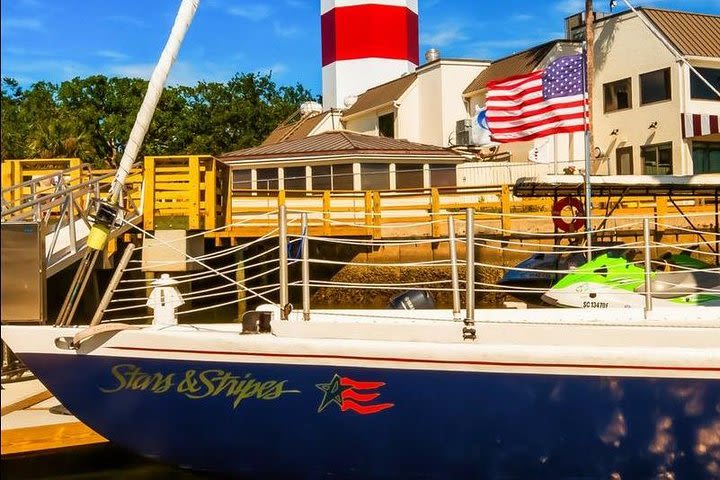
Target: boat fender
[413,300]
[578,220]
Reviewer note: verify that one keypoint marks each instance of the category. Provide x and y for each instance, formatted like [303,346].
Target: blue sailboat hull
[305,421]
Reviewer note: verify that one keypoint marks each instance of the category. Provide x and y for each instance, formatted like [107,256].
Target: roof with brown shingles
[338,142]
[695,34]
[517,64]
[295,130]
[381,95]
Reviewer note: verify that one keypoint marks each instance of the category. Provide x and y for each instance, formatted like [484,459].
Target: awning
[707,184]
[699,124]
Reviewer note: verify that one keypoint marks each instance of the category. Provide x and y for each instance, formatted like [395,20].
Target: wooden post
[210,194]
[194,193]
[661,211]
[368,213]
[149,194]
[377,219]
[435,212]
[326,213]
[505,220]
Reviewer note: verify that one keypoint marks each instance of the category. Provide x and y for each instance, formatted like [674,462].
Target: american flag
[541,103]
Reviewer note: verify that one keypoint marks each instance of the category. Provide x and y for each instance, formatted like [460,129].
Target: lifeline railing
[277,259]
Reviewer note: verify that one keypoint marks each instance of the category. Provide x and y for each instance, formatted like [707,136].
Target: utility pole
[590,70]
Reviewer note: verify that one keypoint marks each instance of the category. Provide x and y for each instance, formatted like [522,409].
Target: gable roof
[381,95]
[300,129]
[516,64]
[339,142]
[694,34]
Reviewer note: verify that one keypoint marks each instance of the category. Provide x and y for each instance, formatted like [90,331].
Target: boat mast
[108,209]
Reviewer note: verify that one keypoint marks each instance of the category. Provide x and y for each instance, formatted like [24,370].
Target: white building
[651,114]
[423,106]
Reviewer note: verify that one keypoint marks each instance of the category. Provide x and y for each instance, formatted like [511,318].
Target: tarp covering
[618,185]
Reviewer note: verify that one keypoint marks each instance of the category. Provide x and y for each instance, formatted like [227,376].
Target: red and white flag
[538,104]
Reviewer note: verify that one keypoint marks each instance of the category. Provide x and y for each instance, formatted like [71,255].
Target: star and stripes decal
[352,395]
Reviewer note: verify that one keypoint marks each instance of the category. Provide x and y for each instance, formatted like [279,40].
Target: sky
[55,40]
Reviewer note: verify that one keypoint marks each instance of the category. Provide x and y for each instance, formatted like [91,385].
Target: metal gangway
[59,205]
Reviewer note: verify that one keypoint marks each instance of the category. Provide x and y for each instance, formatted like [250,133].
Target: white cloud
[21,23]
[276,69]
[443,35]
[287,31]
[126,20]
[112,55]
[250,12]
[133,70]
[296,4]
[30,3]
[521,17]
[181,73]
[39,68]
[570,6]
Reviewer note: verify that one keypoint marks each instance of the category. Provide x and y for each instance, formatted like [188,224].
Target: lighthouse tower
[366,43]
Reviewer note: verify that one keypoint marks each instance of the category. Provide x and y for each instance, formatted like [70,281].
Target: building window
[386,125]
[375,176]
[657,159]
[294,178]
[706,157]
[242,179]
[442,175]
[655,86]
[267,179]
[617,95]
[322,177]
[624,161]
[409,175]
[342,177]
[699,90]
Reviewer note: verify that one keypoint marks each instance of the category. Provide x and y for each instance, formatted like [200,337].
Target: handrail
[49,176]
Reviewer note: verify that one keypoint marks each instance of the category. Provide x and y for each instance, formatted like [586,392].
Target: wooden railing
[183,192]
[382,213]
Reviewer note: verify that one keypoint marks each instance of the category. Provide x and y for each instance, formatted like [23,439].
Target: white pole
[152,96]
[588,188]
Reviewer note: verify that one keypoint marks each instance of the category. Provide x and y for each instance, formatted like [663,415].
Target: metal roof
[339,142]
[293,131]
[381,95]
[619,185]
[516,64]
[693,34]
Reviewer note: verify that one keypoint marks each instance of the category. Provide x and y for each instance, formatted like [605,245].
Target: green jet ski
[613,281]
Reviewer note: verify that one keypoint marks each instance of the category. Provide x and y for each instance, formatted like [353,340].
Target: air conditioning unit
[463,132]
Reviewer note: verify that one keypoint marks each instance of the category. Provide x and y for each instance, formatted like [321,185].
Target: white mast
[152,96]
[107,209]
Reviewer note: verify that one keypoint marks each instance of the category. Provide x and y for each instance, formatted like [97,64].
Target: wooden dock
[29,425]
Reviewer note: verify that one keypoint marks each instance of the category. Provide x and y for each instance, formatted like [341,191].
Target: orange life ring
[578,220]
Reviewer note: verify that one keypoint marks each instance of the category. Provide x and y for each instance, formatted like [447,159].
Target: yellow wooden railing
[15,172]
[183,191]
[380,213]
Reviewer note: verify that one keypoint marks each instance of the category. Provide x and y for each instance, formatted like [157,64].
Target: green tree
[91,117]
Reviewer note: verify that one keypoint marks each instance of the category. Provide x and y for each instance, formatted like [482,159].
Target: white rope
[196,276]
[200,262]
[218,229]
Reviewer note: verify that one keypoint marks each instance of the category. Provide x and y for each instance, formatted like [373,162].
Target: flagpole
[588,187]
[588,66]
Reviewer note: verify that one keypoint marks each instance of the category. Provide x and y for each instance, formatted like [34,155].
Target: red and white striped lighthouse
[366,43]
